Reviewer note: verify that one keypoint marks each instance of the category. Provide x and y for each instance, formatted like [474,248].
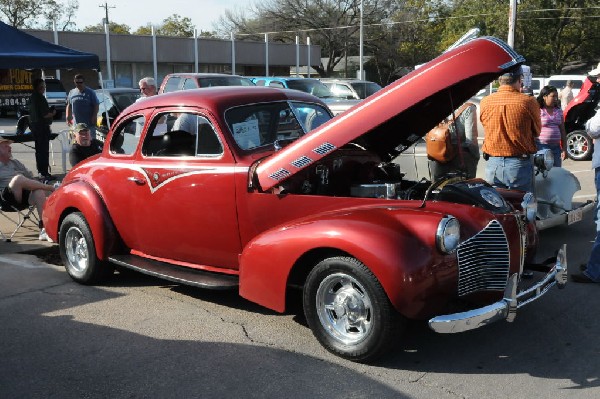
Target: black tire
[580,146]
[78,251]
[369,324]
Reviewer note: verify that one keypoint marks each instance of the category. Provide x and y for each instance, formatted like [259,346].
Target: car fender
[395,244]
[79,196]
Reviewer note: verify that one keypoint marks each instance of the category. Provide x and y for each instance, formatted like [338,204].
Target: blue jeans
[510,172]
[556,151]
[593,266]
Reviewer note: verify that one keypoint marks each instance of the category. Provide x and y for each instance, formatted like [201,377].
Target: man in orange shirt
[511,122]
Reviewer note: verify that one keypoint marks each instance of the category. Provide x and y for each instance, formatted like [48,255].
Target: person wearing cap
[40,119]
[17,186]
[83,146]
[511,122]
[590,272]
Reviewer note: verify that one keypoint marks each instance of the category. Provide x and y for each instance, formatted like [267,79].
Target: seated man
[84,146]
[17,187]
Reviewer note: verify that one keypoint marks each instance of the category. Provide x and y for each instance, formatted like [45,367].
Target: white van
[559,81]
[537,84]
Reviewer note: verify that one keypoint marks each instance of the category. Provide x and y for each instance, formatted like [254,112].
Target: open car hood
[395,117]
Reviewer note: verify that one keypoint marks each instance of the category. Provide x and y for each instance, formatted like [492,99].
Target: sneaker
[56,185]
[44,236]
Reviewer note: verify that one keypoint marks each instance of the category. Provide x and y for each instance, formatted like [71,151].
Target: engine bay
[356,172]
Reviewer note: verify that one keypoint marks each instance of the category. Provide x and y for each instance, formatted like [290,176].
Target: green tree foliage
[113,27]
[552,34]
[26,13]
[174,25]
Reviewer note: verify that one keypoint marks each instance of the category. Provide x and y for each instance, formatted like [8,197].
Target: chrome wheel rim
[76,250]
[344,308]
[577,145]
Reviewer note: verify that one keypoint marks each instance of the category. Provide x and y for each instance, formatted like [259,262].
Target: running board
[178,274]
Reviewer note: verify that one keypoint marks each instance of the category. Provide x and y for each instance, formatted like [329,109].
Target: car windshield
[224,81]
[313,87]
[261,125]
[365,89]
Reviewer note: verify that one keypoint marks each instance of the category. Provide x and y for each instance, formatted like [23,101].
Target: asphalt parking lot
[137,336]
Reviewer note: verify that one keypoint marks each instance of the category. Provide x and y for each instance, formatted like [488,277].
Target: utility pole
[106,7]
[512,22]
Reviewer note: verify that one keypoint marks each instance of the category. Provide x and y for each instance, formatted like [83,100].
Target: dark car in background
[187,81]
[351,88]
[112,102]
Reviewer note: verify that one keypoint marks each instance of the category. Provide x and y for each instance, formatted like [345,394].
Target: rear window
[224,81]
[172,84]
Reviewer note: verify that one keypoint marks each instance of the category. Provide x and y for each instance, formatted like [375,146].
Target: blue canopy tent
[20,50]
[23,51]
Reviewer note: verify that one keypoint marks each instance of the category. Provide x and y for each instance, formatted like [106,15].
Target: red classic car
[261,190]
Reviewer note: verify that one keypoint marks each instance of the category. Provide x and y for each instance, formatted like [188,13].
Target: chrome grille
[483,261]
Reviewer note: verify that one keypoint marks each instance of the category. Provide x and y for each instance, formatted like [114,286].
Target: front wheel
[348,310]
[78,251]
[579,145]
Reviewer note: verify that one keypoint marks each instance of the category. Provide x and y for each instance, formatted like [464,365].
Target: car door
[183,193]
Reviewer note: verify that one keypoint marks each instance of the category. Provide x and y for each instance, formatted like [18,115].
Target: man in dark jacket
[84,146]
[40,118]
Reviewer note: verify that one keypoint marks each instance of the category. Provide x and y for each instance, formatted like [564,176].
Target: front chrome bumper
[567,217]
[506,308]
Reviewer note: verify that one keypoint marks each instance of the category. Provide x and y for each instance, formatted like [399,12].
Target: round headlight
[544,159]
[448,234]
[529,206]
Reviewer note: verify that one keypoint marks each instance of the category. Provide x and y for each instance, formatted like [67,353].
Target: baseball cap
[513,72]
[596,71]
[79,127]
[3,140]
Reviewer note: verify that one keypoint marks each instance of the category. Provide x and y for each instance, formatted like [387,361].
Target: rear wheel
[348,310]
[579,145]
[78,251]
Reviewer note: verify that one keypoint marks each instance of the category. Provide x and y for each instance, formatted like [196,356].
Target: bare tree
[332,24]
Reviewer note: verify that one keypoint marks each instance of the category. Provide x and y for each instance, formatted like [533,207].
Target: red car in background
[264,192]
[580,145]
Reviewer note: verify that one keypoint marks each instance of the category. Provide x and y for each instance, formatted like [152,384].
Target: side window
[181,134]
[189,84]
[125,139]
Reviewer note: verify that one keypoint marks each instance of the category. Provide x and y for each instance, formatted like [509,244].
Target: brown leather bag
[439,140]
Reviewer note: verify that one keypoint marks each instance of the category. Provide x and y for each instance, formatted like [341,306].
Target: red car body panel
[226,213]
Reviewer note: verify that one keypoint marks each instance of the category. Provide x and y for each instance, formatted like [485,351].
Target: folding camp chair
[20,217]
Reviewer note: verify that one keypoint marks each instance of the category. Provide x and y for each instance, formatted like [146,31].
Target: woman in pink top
[553,135]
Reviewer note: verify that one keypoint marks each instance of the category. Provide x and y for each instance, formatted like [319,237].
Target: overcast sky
[136,13]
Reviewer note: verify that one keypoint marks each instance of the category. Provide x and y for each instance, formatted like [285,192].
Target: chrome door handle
[137,180]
